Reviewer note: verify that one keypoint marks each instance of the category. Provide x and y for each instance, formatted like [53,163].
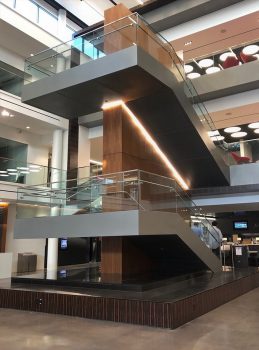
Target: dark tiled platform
[167,306]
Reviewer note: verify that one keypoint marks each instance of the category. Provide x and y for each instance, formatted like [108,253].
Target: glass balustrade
[25,173]
[122,191]
[41,176]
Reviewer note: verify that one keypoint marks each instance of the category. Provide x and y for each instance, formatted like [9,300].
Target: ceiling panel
[236,116]
[220,37]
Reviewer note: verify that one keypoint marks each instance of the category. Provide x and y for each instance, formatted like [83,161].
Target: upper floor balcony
[126,60]
[226,71]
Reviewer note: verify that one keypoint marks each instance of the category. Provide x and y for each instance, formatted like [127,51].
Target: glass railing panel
[127,190]
[110,38]
[15,171]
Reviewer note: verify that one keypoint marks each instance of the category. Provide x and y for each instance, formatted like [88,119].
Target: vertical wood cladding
[72,157]
[140,312]
[124,146]
[3,227]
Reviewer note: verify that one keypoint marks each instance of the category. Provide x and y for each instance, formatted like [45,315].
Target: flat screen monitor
[240,225]
[63,243]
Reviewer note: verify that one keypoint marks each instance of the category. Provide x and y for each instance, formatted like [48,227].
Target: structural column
[56,177]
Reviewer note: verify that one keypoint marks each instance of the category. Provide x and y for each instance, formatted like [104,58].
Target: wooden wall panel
[169,314]
[3,226]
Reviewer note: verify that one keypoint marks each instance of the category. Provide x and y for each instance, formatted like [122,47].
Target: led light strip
[149,139]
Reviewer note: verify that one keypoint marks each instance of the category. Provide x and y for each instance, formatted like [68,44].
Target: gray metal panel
[228,81]
[172,223]
[123,223]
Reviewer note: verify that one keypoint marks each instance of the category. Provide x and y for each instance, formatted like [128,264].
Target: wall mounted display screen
[240,225]
[63,243]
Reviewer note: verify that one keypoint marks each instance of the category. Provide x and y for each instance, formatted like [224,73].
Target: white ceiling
[21,121]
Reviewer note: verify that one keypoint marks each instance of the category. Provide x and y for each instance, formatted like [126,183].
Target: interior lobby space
[129,174]
[230,326]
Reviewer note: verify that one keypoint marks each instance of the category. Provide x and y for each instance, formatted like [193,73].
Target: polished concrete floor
[232,326]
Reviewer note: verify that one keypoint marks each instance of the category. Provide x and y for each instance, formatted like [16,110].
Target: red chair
[247,58]
[239,159]
[230,61]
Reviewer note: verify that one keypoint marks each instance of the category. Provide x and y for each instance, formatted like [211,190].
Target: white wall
[37,148]
[16,246]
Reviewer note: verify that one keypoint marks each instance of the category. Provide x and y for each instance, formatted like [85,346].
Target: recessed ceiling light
[188,43]
[232,129]
[11,115]
[206,62]
[5,113]
[213,133]
[4,175]
[239,134]
[28,127]
[34,166]
[12,170]
[12,173]
[212,70]
[188,68]
[250,49]
[254,125]
[3,171]
[22,168]
[217,138]
[31,54]
[256,131]
[225,55]
[193,75]
[25,172]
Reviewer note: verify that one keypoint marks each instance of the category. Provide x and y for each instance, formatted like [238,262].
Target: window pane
[8,2]
[27,9]
[48,22]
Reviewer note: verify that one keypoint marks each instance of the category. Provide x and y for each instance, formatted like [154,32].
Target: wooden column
[124,148]
[3,226]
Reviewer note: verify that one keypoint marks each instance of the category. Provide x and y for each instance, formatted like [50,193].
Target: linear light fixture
[97,162]
[149,139]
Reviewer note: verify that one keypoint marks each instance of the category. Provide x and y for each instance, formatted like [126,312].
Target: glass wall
[44,16]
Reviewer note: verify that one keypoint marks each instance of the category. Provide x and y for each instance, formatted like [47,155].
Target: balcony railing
[122,191]
[31,174]
[220,60]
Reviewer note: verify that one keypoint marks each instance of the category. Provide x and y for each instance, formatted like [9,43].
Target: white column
[64,155]
[52,258]
[83,152]
[62,21]
[246,150]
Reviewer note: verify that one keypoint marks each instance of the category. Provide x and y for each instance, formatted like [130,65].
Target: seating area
[223,60]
